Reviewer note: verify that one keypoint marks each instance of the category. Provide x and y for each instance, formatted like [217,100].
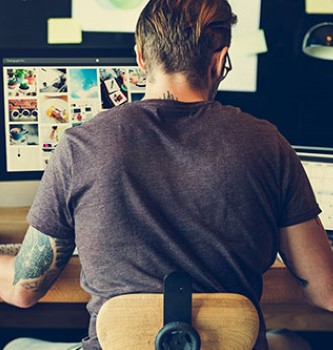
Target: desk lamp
[318,41]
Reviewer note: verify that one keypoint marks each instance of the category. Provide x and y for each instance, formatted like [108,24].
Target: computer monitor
[319,169]
[42,96]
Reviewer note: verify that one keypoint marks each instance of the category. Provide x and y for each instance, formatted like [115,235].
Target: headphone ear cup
[177,336]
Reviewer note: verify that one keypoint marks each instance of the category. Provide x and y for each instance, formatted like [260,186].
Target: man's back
[159,185]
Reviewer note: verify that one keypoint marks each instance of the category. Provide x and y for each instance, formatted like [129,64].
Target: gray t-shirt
[156,185]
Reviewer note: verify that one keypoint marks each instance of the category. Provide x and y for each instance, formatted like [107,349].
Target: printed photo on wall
[52,80]
[23,110]
[21,82]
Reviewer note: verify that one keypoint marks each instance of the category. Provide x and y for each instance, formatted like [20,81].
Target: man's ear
[139,58]
[219,60]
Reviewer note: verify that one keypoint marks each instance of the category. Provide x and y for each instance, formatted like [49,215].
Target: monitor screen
[43,96]
[319,169]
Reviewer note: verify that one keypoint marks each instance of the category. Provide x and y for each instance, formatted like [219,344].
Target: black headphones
[177,332]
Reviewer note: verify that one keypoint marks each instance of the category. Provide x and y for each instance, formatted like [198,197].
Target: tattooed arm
[307,253]
[24,279]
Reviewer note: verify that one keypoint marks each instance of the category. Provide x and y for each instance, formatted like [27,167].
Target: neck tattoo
[169,96]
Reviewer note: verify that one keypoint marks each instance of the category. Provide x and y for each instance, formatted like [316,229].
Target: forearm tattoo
[40,260]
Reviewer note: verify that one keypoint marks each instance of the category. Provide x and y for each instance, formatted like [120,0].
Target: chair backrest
[225,321]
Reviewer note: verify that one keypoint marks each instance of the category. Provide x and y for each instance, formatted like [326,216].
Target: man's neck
[173,87]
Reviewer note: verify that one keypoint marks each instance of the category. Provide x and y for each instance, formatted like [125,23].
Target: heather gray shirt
[155,186]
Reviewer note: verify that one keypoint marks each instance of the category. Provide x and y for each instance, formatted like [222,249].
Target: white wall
[17,193]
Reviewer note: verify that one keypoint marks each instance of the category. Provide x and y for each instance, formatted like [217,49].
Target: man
[173,182]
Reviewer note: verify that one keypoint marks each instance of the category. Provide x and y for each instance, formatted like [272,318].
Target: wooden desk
[284,305]
[64,305]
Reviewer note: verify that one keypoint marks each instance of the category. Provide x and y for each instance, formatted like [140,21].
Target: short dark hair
[180,36]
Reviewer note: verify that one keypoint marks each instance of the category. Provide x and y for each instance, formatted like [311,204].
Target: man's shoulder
[113,114]
[239,118]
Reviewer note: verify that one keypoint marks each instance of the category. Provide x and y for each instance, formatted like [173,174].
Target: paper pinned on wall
[108,15]
[244,58]
[249,44]
[319,6]
[63,31]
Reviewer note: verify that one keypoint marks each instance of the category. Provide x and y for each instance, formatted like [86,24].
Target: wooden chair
[224,321]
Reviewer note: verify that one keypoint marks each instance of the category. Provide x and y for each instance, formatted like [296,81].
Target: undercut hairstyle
[180,36]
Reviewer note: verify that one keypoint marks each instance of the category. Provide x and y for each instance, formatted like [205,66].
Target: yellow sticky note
[63,31]
[319,6]
[249,44]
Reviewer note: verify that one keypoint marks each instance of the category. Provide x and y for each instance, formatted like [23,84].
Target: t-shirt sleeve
[298,202]
[51,211]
